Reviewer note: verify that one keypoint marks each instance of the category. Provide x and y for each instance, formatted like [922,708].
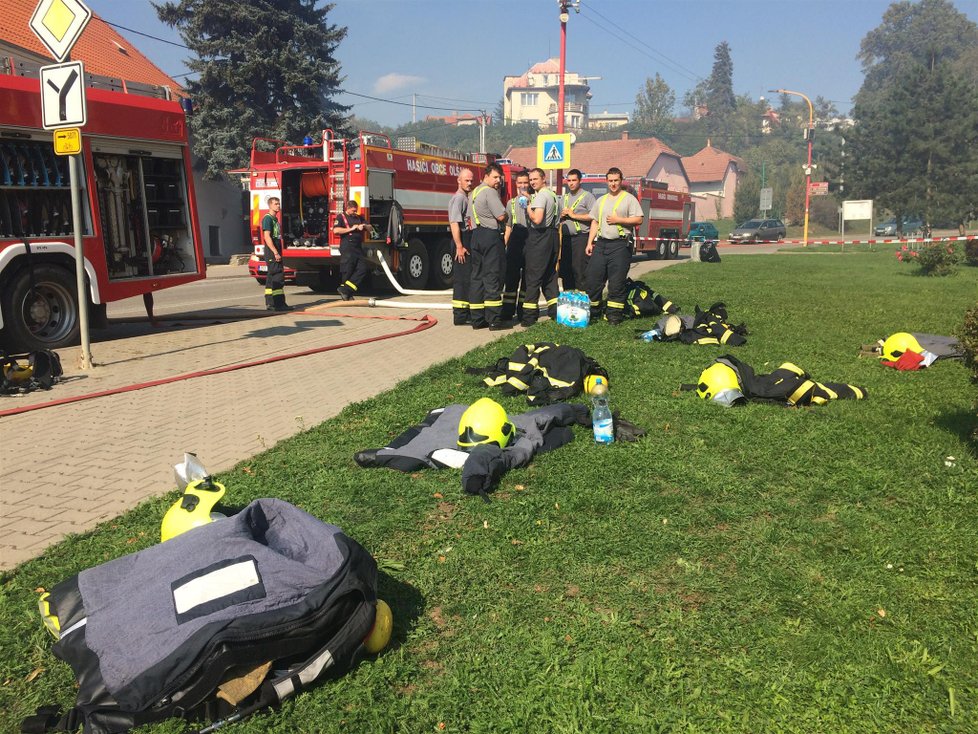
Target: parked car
[911,226]
[257,268]
[701,232]
[759,230]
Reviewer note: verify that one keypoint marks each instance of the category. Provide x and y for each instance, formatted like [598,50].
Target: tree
[748,197]
[263,69]
[915,145]
[720,98]
[653,107]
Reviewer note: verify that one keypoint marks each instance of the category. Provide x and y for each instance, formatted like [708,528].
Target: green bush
[934,258]
[971,252]
[968,336]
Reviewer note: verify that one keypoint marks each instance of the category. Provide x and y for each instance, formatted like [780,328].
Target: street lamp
[809,135]
[565,6]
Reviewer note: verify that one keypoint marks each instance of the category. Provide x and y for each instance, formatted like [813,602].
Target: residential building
[458,120]
[223,223]
[534,96]
[713,178]
[636,157]
[607,120]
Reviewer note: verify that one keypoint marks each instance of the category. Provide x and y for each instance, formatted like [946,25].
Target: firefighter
[460,222]
[515,241]
[609,246]
[575,219]
[487,252]
[540,260]
[354,266]
[271,232]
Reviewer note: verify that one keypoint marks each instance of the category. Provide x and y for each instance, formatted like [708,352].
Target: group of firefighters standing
[528,240]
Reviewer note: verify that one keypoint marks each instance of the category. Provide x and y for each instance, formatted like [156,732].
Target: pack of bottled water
[573,309]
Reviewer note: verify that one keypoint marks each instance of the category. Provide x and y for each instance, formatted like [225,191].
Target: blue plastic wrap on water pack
[573,309]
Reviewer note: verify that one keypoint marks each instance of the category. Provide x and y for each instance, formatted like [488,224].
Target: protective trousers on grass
[610,260]
[354,266]
[485,286]
[540,273]
[461,274]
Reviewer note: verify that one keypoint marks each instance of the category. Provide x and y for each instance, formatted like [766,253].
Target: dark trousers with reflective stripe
[461,275]
[515,249]
[573,249]
[540,273]
[274,283]
[354,266]
[486,277]
[609,262]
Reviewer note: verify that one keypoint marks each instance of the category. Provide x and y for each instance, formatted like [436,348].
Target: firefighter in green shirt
[271,232]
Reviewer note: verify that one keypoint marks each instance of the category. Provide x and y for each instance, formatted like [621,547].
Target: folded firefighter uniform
[546,372]
[187,628]
[729,381]
[434,443]
[706,327]
[641,300]
[910,352]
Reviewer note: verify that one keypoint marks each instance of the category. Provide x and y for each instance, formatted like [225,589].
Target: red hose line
[426,322]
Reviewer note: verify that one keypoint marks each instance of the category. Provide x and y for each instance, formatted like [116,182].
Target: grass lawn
[759,569]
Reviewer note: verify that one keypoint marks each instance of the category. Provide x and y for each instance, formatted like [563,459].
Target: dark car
[889,228]
[702,232]
[759,230]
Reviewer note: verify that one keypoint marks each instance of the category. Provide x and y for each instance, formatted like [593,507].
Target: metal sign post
[58,24]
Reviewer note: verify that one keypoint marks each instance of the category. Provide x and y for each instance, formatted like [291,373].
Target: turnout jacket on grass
[546,372]
[707,327]
[788,385]
[433,443]
[642,300]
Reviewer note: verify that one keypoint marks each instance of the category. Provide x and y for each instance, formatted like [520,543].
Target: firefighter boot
[279,303]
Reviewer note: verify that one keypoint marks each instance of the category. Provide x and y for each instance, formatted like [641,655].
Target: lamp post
[809,135]
[565,6]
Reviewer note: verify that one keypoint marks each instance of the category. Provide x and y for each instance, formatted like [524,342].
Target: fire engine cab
[402,188]
[668,214]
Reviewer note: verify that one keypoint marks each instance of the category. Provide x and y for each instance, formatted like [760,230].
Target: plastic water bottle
[652,335]
[601,420]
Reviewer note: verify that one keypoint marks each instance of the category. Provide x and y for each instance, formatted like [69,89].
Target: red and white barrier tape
[895,241]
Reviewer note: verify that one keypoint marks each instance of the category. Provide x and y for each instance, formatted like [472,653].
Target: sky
[453,54]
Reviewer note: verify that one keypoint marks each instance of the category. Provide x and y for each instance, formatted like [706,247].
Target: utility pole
[809,136]
[565,6]
[414,107]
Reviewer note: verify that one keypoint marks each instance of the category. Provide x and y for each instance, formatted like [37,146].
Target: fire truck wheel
[261,281]
[673,249]
[326,283]
[443,267]
[46,318]
[662,249]
[414,268]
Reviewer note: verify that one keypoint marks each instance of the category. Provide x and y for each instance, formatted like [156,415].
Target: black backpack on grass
[213,624]
[708,252]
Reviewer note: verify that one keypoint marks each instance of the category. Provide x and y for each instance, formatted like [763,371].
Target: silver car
[759,230]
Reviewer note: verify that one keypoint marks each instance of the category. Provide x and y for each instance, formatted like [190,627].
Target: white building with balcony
[534,96]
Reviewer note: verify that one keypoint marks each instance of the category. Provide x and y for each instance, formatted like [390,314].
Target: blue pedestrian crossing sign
[553,151]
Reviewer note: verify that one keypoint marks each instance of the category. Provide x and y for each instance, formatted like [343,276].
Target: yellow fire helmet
[594,383]
[485,422]
[719,382]
[193,509]
[897,344]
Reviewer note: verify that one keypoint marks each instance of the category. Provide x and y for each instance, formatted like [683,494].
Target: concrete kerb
[110,444]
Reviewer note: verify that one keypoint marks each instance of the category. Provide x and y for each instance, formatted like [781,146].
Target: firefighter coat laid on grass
[153,634]
[788,385]
[641,300]
[546,372]
[434,443]
[706,327]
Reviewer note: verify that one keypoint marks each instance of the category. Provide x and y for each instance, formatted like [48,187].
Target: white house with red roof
[106,53]
[636,157]
[713,178]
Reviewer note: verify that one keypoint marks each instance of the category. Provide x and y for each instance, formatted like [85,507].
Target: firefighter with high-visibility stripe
[271,232]
[460,223]
[609,246]
[540,257]
[575,217]
[515,240]
[487,252]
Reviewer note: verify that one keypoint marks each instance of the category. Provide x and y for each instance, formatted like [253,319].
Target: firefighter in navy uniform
[575,216]
[515,241]
[271,232]
[354,266]
[460,223]
[488,254]
[540,260]
[609,246]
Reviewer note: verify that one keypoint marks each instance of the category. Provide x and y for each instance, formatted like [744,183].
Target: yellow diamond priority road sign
[67,141]
[59,23]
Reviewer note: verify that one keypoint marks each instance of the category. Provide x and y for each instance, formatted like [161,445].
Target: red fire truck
[140,229]
[403,189]
[668,214]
